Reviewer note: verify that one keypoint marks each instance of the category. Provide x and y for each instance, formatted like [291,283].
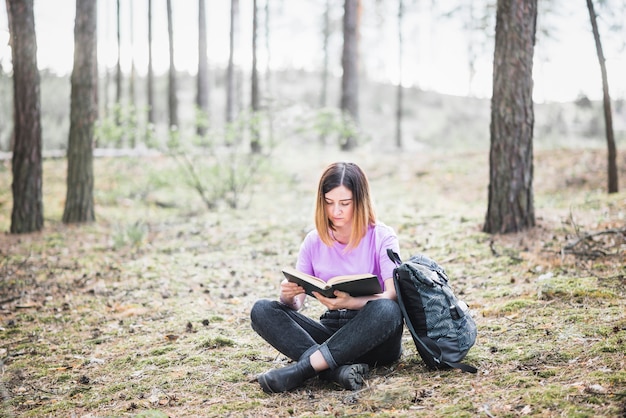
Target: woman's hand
[342,300]
[291,294]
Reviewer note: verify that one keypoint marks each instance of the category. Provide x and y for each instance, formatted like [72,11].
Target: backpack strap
[394,256]
[426,343]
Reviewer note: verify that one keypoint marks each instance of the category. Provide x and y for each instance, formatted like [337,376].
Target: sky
[435,51]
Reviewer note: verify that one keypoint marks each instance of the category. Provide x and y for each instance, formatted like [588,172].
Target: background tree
[79,204]
[613,186]
[4,111]
[104,102]
[268,73]
[325,52]
[510,206]
[255,141]
[172,88]
[230,72]
[150,75]
[350,77]
[400,88]
[27,213]
[132,99]
[202,78]
[118,66]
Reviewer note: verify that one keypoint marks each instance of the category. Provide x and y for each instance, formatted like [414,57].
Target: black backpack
[441,325]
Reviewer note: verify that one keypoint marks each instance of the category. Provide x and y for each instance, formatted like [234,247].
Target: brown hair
[354,179]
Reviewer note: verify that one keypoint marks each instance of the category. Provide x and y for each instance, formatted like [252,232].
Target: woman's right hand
[291,294]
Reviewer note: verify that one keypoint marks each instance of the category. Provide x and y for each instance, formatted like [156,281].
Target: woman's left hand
[342,300]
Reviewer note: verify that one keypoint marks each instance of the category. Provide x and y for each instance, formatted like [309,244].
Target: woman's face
[339,207]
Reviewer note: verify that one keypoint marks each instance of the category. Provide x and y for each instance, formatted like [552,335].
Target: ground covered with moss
[145,311]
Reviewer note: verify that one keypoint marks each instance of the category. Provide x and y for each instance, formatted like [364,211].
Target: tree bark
[79,202]
[27,213]
[613,186]
[172,87]
[132,99]
[325,71]
[399,91]
[255,135]
[118,71]
[350,76]
[230,72]
[150,76]
[202,94]
[510,206]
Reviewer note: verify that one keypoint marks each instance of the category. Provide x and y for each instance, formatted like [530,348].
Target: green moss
[540,342]
[516,380]
[161,351]
[564,288]
[517,305]
[65,377]
[616,378]
[216,342]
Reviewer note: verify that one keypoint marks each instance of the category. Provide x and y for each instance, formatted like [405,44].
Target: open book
[354,284]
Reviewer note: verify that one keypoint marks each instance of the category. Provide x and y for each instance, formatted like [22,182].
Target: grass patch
[146,311]
[574,288]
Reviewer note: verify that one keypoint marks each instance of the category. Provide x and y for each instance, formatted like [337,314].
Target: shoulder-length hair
[354,179]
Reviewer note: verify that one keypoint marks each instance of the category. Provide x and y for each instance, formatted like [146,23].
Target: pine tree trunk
[118,70]
[27,213]
[230,72]
[350,77]
[150,76]
[399,91]
[512,119]
[325,71]
[613,186]
[202,93]
[172,88]
[255,135]
[132,94]
[79,203]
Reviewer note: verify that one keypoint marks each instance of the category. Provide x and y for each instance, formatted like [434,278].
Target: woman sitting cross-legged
[355,333]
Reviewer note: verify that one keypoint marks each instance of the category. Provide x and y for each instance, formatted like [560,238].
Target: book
[354,284]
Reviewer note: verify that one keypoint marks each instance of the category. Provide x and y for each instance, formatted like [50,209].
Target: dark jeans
[371,335]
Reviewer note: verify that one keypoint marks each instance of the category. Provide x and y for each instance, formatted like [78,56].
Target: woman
[355,332]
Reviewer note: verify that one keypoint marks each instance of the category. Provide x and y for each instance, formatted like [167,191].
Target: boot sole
[354,377]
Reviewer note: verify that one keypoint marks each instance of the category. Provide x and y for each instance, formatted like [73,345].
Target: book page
[350,277]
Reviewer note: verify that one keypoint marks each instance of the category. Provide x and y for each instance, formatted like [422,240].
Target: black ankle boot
[287,378]
[348,376]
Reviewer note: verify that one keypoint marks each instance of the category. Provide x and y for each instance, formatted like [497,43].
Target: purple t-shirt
[370,256]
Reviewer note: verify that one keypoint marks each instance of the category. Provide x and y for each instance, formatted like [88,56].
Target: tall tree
[399,91]
[118,71]
[5,113]
[268,51]
[511,206]
[255,141]
[150,76]
[79,202]
[132,80]
[268,74]
[202,93]
[606,100]
[107,74]
[325,71]
[27,214]
[230,72]
[349,62]
[172,88]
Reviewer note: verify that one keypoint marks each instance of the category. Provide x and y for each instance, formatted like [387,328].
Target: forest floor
[145,313]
